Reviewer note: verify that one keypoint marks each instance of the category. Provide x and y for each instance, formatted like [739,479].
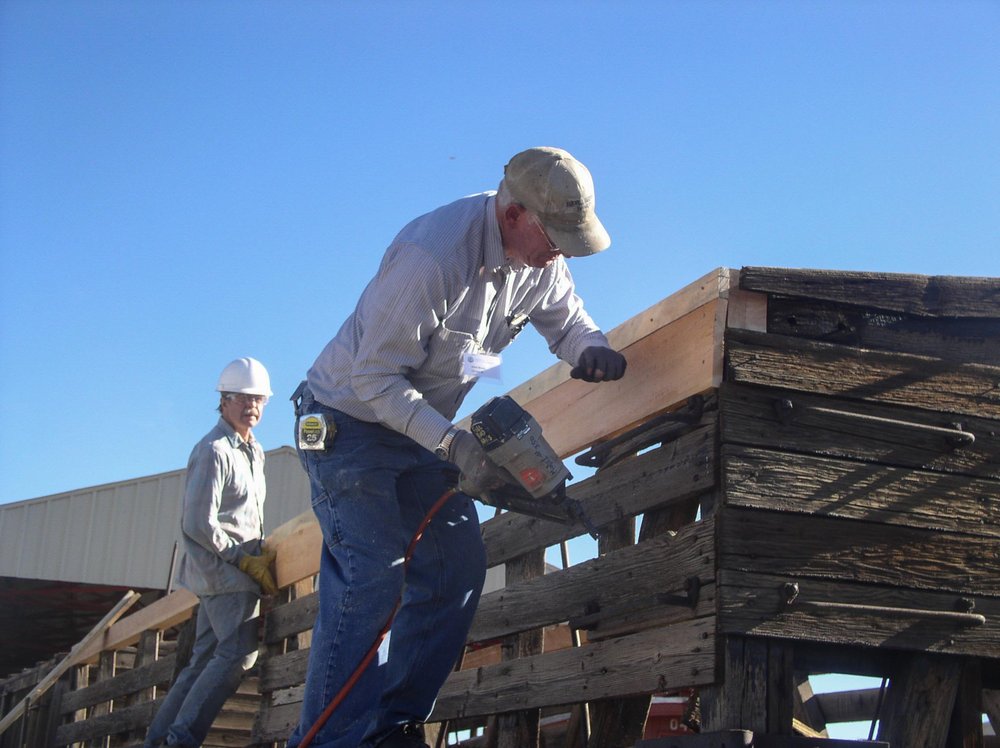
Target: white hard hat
[246,375]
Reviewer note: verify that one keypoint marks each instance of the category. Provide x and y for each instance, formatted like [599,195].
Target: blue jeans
[225,647]
[370,491]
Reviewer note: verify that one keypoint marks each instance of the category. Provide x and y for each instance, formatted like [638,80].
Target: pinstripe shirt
[444,288]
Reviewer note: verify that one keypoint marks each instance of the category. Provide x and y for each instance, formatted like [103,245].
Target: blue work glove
[599,364]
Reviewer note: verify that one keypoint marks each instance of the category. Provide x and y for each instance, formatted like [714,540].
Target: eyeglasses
[246,399]
[538,223]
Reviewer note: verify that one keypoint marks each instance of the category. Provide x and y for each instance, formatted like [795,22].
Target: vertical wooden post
[617,723]
[146,654]
[105,670]
[920,699]
[966,730]
[739,701]
[519,729]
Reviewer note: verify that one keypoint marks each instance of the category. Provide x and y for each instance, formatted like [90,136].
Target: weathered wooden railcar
[800,473]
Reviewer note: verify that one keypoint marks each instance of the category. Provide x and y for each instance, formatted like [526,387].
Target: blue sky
[183,183]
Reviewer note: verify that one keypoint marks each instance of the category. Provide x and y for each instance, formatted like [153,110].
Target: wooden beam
[677,656]
[894,435]
[802,484]
[919,701]
[962,340]
[789,363]
[929,295]
[164,613]
[666,367]
[755,603]
[810,547]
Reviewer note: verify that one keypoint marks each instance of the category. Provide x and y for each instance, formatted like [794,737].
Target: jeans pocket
[326,516]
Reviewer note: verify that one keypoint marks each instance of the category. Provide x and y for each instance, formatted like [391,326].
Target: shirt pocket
[445,354]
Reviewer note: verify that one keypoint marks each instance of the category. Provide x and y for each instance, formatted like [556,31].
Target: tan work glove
[258,568]
[479,475]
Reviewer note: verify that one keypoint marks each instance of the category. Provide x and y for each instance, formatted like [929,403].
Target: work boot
[410,735]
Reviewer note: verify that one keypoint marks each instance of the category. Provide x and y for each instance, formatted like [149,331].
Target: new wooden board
[667,366]
[166,612]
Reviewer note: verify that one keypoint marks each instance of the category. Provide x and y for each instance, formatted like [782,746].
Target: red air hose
[370,654]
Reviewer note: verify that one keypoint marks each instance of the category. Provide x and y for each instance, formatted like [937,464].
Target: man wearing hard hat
[376,437]
[224,562]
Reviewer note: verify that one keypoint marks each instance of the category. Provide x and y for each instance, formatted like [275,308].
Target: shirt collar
[493,256]
[235,439]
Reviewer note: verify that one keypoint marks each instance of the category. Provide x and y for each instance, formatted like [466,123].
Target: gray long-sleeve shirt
[222,519]
[444,288]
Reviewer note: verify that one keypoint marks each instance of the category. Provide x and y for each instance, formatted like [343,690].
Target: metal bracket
[658,429]
[790,592]
[787,410]
[692,591]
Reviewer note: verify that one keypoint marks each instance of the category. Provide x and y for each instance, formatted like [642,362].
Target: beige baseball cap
[560,191]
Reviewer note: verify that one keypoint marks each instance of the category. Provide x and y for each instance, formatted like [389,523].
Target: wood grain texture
[754,603]
[800,422]
[811,547]
[791,363]
[660,659]
[928,295]
[788,482]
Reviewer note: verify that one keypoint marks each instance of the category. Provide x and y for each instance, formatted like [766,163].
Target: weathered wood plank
[791,363]
[739,700]
[606,589]
[675,656]
[970,340]
[755,604]
[521,728]
[674,472]
[919,701]
[930,295]
[836,427]
[826,548]
[966,729]
[618,722]
[787,482]
[849,706]
[126,683]
[291,618]
[120,720]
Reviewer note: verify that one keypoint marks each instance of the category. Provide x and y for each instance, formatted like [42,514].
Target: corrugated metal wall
[123,533]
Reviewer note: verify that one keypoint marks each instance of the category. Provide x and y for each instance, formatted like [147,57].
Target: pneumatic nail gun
[513,441]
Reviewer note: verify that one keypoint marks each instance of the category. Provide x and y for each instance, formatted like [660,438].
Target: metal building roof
[123,534]
[66,559]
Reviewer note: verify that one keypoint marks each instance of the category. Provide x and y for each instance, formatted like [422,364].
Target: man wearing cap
[224,562]
[455,287]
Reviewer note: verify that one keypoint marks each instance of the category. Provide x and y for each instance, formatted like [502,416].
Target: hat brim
[580,241]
